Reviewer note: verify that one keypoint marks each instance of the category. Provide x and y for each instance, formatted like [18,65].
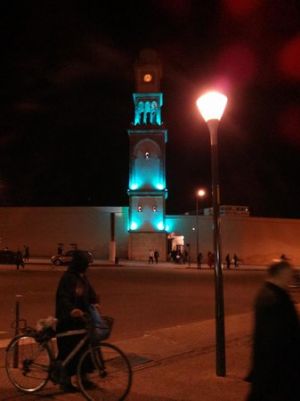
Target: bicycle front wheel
[104,373]
[27,363]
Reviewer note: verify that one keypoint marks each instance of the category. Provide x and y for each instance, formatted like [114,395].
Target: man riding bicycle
[74,296]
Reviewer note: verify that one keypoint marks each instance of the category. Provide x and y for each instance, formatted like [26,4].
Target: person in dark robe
[275,373]
[73,297]
[228,261]
[199,260]
[19,259]
[235,261]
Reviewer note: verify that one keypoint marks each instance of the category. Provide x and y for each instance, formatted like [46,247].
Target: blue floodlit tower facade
[147,174]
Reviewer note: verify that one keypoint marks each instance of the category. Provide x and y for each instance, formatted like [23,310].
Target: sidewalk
[174,364]
[193,266]
[41,263]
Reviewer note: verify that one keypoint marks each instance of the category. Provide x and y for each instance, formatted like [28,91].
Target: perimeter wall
[256,240]
[42,228]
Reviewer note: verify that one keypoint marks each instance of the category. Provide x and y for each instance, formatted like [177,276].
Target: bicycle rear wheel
[27,363]
[104,373]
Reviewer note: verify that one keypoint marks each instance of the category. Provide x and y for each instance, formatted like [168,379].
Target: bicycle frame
[104,359]
[97,358]
[48,345]
[81,343]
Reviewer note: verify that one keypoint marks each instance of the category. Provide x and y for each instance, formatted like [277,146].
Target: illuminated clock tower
[147,176]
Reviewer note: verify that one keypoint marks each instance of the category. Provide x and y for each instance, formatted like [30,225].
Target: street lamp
[201,193]
[211,106]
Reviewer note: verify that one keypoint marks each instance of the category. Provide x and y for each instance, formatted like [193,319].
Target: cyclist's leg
[65,347]
[108,372]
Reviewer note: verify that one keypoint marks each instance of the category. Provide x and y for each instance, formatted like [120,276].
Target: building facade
[256,240]
[130,232]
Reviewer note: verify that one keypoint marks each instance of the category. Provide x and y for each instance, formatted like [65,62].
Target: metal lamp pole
[211,106]
[200,194]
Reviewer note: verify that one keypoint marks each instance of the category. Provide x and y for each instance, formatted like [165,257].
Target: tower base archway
[140,244]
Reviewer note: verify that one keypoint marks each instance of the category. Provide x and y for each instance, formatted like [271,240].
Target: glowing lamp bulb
[212,105]
[201,193]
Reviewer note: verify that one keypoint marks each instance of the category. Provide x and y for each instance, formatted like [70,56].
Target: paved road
[139,299]
[147,300]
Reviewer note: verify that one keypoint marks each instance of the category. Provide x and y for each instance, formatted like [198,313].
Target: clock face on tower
[148,77]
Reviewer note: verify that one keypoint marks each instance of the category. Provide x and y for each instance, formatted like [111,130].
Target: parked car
[8,257]
[65,258]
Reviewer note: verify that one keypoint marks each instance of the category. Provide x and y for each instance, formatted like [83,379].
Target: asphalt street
[164,321]
[139,299]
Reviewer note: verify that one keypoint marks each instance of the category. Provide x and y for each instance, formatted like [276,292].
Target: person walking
[210,260]
[284,257]
[74,295]
[156,255]
[228,261]
[60,249]
[235,261]
[26,253]
[275,371]
[19,260]
[151,256]
[199,260]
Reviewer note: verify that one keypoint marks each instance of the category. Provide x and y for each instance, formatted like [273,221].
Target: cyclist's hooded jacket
[74,292]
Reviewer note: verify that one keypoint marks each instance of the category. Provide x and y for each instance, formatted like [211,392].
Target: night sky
[66,89]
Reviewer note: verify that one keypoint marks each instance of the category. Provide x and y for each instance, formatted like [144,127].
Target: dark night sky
[66,99]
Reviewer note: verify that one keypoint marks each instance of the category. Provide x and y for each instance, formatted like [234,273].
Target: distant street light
[211,106]
[201,193]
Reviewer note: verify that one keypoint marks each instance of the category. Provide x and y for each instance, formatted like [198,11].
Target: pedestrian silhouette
[185,256]
[60,249]
[151,256]
[199,260]
[19,259]
[228,261]
[276,340]
[26,253]
[284,257]
[235,261]
[210,260]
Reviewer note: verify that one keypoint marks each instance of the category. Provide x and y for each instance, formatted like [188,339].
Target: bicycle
[30,363]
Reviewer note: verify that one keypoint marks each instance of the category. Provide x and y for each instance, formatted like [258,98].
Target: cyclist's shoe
[68,388]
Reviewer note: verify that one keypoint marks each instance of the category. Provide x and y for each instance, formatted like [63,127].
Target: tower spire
[147,178]
[147,99]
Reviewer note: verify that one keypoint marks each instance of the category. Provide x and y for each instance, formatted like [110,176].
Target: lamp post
[199,194]
[211,106]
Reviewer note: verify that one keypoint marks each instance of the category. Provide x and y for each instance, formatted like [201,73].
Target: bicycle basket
[103,331]
[45,334]
[45,329]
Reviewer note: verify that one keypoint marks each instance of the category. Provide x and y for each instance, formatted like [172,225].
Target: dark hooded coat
[74,291]
[275,374]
